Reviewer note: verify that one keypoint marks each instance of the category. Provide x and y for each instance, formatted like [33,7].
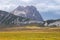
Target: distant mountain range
[28,14]
[52,21]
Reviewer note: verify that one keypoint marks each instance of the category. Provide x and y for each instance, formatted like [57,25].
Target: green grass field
[31,34]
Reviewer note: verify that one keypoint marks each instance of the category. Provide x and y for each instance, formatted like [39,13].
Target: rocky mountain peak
[28,12]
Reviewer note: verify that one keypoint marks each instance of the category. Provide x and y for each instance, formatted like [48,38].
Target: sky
[49,9]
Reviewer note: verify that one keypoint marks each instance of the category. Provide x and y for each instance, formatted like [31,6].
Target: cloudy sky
[49,9]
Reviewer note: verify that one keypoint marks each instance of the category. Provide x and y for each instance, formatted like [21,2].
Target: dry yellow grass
[29,33]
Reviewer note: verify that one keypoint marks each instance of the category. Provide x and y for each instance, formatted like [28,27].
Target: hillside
[9,19]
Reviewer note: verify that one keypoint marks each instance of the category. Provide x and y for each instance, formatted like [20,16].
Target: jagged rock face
[6,17]
[28,12]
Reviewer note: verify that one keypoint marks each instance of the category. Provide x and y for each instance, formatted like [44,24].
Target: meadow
[31,35]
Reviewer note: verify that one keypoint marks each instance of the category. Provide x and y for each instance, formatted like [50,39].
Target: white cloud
[41,6]
[8,7]
[44,7]
[26,1]
[57,1]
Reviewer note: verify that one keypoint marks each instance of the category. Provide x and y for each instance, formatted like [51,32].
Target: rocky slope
[7,18]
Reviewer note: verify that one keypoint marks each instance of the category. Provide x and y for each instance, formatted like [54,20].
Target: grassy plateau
[31,34]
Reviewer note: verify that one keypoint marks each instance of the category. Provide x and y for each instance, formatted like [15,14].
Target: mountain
[7,18]
[28,12]
[53,23]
